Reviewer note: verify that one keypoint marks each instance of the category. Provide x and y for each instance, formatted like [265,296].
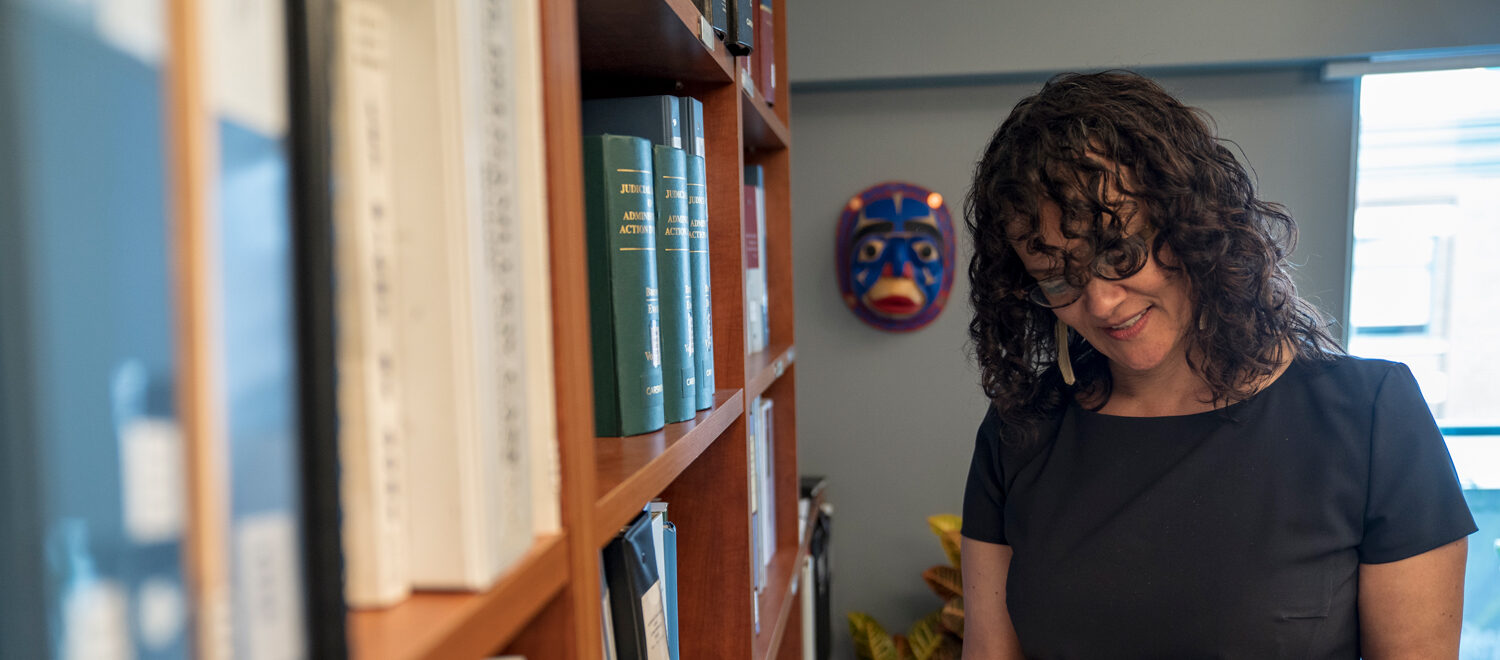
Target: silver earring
[1064,363]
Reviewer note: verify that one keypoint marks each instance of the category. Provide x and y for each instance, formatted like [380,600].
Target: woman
[1179,461]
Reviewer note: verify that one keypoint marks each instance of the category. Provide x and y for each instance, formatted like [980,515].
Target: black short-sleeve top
[1235,533]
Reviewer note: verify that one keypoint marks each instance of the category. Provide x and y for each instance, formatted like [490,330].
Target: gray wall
[890,418]
[834,40]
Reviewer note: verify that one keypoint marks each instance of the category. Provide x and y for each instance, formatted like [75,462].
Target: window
[1425,287]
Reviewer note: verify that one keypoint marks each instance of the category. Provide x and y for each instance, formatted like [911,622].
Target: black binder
[635,592]
[743,15]
[818,548]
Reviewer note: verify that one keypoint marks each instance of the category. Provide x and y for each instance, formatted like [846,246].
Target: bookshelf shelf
[649,38]
[451,624]
[632,470]
[763,368]
[764,131]
[781,596]
[776,605]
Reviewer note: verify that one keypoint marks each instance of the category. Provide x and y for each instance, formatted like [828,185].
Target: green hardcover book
[674,272]
[703,307]
[623,294]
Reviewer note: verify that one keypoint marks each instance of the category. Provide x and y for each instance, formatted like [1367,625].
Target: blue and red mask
[895,256]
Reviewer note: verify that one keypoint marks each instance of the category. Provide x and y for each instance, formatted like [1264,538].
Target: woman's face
[1140,322]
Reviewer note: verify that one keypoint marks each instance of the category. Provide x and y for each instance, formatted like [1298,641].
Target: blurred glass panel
[1426,269]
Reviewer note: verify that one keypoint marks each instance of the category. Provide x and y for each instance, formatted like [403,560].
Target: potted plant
[937,636]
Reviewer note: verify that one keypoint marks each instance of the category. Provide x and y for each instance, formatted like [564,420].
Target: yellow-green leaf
[952,546]
[926,635]
[946,581]
[946,527]
[953,616]
[942,522]
[871,641]
[950,649]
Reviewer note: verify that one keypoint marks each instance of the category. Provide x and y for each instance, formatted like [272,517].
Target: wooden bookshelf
[782,590]
[764,131]
[633,470]
[764,368]
[455,625]
[659,39]
[548,605]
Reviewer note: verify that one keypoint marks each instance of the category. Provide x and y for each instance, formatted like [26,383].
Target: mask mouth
[895,297]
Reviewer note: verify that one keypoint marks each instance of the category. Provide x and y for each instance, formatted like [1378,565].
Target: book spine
[754,340]
[669,541]
[91,452]
[765,53]
[244,59]
[809,632]
[757,516]
[767,475]
[762,288]
[623,294]
[436,286]
[703,308]
[742,18]
[720,17]
[488,96]
[531,182]
[658,119]
[626,612]
[636,592]
[371,436]
[693,116]
[674,275]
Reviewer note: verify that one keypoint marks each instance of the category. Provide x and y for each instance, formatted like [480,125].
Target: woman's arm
[1412,608]
[988,633]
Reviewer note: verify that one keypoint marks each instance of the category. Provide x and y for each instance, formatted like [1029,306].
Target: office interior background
[887,90]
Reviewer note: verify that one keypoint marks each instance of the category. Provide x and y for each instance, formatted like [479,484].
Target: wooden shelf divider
[763,368]
[650,38]
[764,130]
[436,624]
[634,469]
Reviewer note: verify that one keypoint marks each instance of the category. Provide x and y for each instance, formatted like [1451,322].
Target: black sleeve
[1415,503]
[984,496]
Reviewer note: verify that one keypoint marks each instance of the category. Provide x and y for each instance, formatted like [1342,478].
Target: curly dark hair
[1073,143]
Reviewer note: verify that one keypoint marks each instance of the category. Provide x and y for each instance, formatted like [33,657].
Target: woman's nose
[1101,297]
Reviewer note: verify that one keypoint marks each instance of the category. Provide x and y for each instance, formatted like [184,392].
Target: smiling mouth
[1129,323]
[1131,328]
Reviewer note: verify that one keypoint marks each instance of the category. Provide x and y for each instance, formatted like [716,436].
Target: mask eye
[871,250]
[926,251]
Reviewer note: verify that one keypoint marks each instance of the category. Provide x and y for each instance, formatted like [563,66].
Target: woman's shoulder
[1347,370]
[1346,378]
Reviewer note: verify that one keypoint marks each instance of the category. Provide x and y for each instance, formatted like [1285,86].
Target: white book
[758,515]
[536,268]
[487,34]
[763,302]
[767,474]
[470,478]
[809,607]
[606,624]
[371,429]
[754,233]
[658,511]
